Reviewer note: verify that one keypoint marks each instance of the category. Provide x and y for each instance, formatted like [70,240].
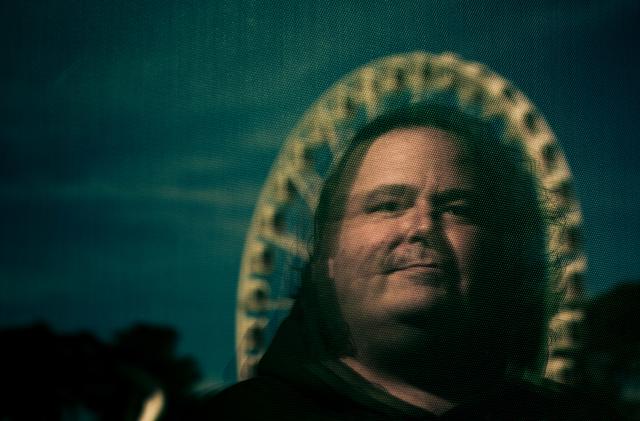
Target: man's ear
[330,267]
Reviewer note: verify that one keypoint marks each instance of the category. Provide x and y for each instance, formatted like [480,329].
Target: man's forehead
[416,155]
[383,191]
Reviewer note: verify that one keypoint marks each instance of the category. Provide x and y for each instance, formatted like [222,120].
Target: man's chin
[439,315]
[421,301]
[414,337]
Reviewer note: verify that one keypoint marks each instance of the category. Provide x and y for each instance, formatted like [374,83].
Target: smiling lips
[417,262]
[426,267]
[403,262]
[417,267]
[425,270]
[406,265]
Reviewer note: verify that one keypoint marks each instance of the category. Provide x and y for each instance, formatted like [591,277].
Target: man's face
[409,244]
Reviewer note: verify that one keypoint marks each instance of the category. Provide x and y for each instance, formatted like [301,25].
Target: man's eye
[462,211]
[388,206]
[458,209]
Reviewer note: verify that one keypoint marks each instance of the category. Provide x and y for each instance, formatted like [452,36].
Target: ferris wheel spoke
[287,242]
[308,185]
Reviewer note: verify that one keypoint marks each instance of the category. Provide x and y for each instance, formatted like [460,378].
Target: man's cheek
[471,265]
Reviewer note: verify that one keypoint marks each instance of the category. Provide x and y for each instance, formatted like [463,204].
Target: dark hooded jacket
[298,380]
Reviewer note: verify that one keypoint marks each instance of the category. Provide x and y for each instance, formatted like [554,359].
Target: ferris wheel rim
[353,101]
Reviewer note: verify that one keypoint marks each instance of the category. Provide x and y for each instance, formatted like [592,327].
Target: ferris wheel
[276,243]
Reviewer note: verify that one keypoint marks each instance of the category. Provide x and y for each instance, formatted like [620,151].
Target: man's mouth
[401,264]
[417,262]
[420,266]
[427,267]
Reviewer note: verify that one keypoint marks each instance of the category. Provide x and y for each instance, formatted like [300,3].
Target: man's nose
[423,225]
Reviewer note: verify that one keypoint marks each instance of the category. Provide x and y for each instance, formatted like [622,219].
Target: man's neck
[401,389]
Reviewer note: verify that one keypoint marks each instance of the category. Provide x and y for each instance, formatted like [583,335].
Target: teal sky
[136,136]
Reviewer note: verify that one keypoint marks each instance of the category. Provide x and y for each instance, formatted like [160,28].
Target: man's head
[429,237]
[409,243]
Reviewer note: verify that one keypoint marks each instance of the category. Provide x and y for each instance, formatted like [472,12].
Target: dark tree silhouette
[47,376]
[612,357]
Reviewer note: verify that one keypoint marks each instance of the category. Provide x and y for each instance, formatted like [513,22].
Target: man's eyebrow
[453,194]
[385,190]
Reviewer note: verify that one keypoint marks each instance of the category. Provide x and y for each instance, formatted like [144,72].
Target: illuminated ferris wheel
[276,243]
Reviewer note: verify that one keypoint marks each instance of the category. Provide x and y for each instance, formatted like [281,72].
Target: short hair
[518,264]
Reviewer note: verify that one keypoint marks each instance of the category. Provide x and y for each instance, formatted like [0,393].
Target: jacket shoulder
[257,398]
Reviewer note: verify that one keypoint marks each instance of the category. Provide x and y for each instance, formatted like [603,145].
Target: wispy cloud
[239,195]
[200,163]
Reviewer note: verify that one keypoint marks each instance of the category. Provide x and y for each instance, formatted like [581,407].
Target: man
[425,295]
